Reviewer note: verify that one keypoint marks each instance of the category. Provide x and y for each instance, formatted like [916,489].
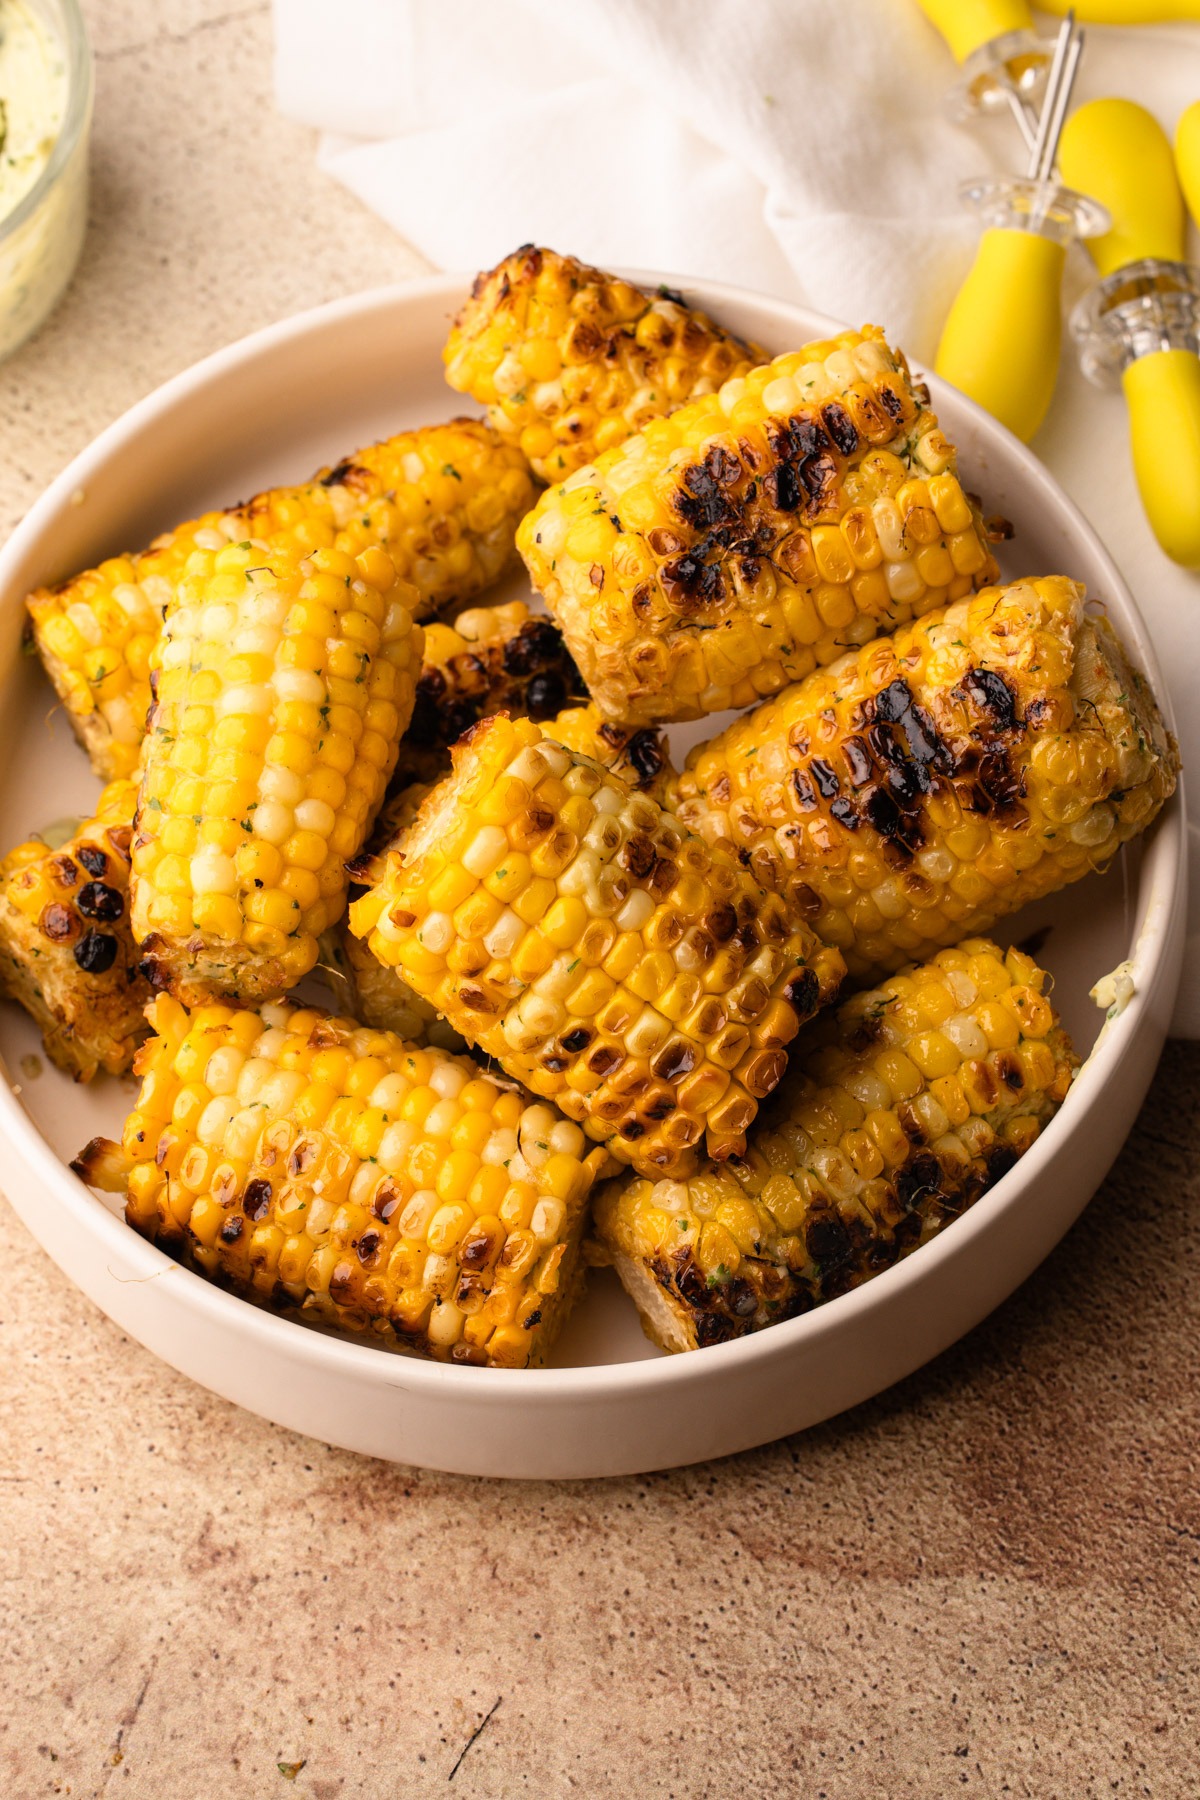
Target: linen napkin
[794,146]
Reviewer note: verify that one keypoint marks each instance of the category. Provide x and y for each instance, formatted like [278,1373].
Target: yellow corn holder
[1002,58]
[1187,158]
[1125,12]
[1141,323]
[1002,337]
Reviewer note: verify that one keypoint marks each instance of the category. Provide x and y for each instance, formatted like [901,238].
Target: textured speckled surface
[988,1581]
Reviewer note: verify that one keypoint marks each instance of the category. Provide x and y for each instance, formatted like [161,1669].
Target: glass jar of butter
[45,116]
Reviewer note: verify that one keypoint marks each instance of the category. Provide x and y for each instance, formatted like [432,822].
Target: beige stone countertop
[985,1582]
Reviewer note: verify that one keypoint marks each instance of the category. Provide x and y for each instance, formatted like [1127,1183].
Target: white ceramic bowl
[272,408]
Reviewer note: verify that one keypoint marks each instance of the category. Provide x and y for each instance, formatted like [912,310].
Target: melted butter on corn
[756,534]
[283,688]
[443,501]
[934,781]
[605,956]
[570,361]
[898,1111]
[380,1186]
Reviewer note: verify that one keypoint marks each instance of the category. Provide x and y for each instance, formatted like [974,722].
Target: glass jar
[40,239]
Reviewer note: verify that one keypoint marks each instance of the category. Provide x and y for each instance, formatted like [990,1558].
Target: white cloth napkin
[794,146]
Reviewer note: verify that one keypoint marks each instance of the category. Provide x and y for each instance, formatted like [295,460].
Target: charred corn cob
[443,501]
[379,1186]
[492,659]
[755,534]
[937,780]
[66,949]
[570,361]
[283,693]
[899,1110]
[602,954]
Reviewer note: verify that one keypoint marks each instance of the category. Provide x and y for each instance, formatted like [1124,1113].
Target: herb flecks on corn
[67,953]
[756,534]
[898,1111]
[444,501]
[382,1187]
[937,780]
[283,691]
[604,955]
[570,361]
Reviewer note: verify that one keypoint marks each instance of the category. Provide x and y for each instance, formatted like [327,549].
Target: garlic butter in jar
[45,113]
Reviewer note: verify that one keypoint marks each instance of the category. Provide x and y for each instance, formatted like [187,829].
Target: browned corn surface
[283,692]
[380,1186]
[570,361]
[66,949]
[443,501]
[899,1110]
[939,779]
[492,659]
[756,534]
[604,955]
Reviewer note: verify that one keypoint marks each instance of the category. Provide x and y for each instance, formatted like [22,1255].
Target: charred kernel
[577,1040]
[232,1229]
[805,792]
[256,1199]
[782,487]
[845,813]
[63,870]
[57,921]
[825,777]
[96,952]
[386,1200]
[827,1240]
[96,900]
[93,860]
[840,427]
[857,760]
[368,1246]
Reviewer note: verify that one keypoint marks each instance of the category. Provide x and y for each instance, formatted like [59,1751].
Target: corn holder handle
[1141,327]
[1003,334]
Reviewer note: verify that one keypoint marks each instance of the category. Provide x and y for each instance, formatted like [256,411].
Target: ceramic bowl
[270,409]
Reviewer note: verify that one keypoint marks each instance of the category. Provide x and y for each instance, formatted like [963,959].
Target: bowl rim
[80,80]
[1161,892]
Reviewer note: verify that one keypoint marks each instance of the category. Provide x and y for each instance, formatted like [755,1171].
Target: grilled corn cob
[755,534]
[443,501]
[380,1186]
[939,779]
[492,659]
[66,950]
[570,361]
[603,955]
[283,693]
[899,1110]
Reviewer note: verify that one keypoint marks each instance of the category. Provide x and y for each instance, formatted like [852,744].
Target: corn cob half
[285,686]
[899,1110]
[605,956]
[570,361]
[443,501]
[67,953]
[937,780]
[380,1186]
[756,534]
